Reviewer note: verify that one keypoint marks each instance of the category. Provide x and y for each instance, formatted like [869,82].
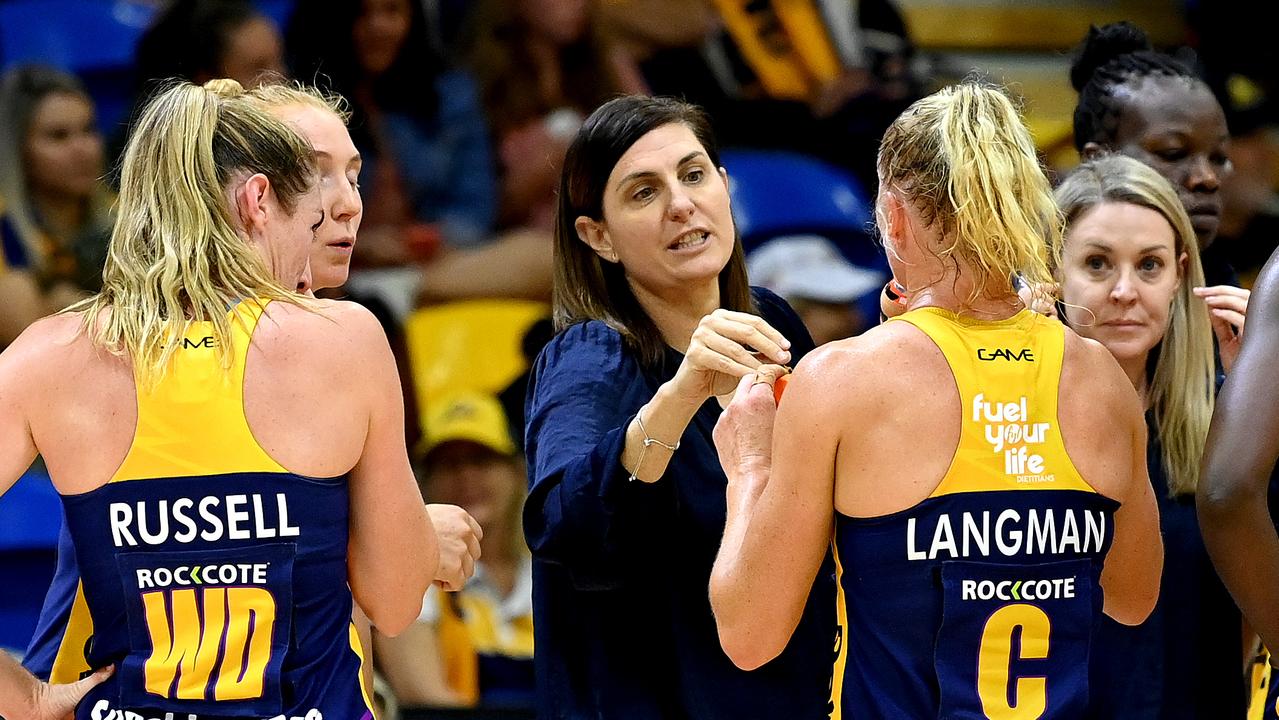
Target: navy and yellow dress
[213,579]
[980,601]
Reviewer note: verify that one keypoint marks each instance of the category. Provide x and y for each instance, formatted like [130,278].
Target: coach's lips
[690,240]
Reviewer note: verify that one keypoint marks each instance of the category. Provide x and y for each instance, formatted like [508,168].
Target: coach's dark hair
[585,286]
[1109,57]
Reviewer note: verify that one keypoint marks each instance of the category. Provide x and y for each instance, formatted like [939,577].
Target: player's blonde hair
[286,93]
[965,160]
[175,256]
[1181,387]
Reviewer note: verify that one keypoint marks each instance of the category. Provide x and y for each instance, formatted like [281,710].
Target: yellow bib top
[980,600]
[212,578]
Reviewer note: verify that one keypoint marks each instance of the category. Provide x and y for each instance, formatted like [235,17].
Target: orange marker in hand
[779,387]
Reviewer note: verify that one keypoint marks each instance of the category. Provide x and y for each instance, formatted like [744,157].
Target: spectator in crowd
[1238,63]
[1229,45]
[473,648]
[823,287]
[428,179]
[821,78]
[417,123]
[656,323]
[1249,230]
[541,68]
[1130,278]
[199,40]
[54,210]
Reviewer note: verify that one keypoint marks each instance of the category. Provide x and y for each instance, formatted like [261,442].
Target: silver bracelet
[647,442]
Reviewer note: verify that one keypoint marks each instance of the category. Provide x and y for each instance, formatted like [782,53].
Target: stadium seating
[814,198]
[473,344]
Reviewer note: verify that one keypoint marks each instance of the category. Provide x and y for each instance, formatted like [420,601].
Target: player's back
[209,513]
[973,520]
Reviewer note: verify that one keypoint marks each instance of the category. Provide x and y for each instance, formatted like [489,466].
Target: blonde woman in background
[1128,276]
[984,397]
[54,210]
[164,393]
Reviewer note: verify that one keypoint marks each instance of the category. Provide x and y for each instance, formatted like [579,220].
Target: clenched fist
[458,536]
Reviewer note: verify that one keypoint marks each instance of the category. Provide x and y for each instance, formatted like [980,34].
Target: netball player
[980,468]
[60,643]
[220,495]
[1235,496]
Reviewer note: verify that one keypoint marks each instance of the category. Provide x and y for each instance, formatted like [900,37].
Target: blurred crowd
[462,111]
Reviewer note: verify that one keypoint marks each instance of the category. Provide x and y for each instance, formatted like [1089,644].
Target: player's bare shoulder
[865,368]
[54,360]
[51,344]
[325,330]
[872,349]
[1087,362]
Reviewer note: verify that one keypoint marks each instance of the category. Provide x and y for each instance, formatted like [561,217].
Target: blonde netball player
[58,648]
[980,468]
[219,506]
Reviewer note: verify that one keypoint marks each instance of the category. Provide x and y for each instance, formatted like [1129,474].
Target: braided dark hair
[1111,56]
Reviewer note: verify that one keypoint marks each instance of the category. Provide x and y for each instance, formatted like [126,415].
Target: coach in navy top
[626,501]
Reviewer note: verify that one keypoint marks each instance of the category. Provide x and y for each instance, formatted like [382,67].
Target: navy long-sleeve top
[1184,662]
[622,617]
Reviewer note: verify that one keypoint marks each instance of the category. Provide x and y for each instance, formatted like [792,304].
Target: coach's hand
[725,347]
[458,536]
[1227,310]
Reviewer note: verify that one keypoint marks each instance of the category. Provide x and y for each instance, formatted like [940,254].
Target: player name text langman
[1037,531]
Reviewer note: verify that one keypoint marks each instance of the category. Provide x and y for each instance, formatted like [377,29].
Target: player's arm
[780,510]
[1130,579]
[17,446]
[21,694]
[393,551]
[1243,444]
[414,668]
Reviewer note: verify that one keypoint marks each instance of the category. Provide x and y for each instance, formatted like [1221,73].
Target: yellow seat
[472,344]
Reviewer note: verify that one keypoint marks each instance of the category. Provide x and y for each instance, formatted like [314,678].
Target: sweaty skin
[1243,445]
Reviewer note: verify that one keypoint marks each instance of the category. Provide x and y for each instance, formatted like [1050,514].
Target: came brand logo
[205,342]
[989,355]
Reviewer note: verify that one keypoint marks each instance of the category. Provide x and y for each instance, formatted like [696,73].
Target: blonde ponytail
[225,88]
[175,256]
[965,160]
